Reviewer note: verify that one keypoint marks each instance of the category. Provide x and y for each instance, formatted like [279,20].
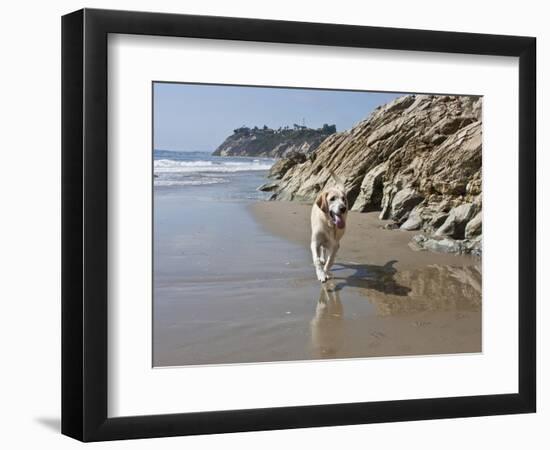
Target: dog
[328,225]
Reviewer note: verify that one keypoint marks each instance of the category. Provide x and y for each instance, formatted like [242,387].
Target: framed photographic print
[273,224]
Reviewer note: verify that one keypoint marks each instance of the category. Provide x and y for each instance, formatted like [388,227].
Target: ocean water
[215,177]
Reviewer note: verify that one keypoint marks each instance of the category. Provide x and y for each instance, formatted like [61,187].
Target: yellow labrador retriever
[328,224]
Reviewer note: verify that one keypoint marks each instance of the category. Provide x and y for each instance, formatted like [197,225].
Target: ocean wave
[173,166]
[190,182]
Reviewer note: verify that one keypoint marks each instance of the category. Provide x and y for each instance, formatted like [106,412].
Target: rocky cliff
[272,143]
[417,160]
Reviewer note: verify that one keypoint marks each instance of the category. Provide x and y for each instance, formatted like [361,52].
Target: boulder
[403,202]
[445,245]
[268,187]
[473,246]
[438,219]
[473,227]
[414,222]
[455,224]
[370,193]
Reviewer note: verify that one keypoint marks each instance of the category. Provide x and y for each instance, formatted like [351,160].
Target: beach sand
[234,283]
[365,239]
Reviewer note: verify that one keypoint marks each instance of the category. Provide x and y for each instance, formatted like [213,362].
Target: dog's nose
[342,209]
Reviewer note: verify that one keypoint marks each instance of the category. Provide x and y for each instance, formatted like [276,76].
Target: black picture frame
[84,224]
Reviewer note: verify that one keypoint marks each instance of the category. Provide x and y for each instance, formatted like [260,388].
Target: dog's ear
[322,202]
[339,182]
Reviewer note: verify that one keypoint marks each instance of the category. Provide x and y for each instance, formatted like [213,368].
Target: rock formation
[417,160]
[279,143]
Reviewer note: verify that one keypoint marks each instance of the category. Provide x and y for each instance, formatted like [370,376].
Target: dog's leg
[330,260]
[335,304]
[315,253]
[322,255]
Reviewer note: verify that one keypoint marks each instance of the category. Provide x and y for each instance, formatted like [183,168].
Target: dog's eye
[332,199]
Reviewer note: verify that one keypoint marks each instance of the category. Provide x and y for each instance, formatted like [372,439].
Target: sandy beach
[234,283]
[365,239]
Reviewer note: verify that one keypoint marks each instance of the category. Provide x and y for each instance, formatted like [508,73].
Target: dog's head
[334,203]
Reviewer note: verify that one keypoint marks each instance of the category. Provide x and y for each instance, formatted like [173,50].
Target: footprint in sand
[378,334]
[421,323]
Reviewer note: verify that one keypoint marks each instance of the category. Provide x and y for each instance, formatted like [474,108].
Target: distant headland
[274,143]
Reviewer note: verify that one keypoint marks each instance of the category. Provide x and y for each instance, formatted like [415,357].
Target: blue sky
[192,117]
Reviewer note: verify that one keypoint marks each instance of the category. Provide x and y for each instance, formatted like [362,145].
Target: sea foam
[173,166]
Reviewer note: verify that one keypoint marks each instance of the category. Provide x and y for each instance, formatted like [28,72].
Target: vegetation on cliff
[275,143]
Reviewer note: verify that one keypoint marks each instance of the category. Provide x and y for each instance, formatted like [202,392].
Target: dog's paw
[321,275]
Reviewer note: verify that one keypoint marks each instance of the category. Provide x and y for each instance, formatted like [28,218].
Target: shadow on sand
[431,288]
[370,276]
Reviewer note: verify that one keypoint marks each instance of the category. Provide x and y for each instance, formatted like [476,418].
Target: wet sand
[234,283]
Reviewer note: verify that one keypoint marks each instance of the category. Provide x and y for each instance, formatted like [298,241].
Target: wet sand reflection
[431,299]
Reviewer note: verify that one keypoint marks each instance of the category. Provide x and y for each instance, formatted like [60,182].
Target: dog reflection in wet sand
[327,330]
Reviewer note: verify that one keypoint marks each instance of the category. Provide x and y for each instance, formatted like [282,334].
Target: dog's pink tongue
[339,222]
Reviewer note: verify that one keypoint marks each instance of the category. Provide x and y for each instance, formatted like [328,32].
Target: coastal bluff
[274,143]
[416,160]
